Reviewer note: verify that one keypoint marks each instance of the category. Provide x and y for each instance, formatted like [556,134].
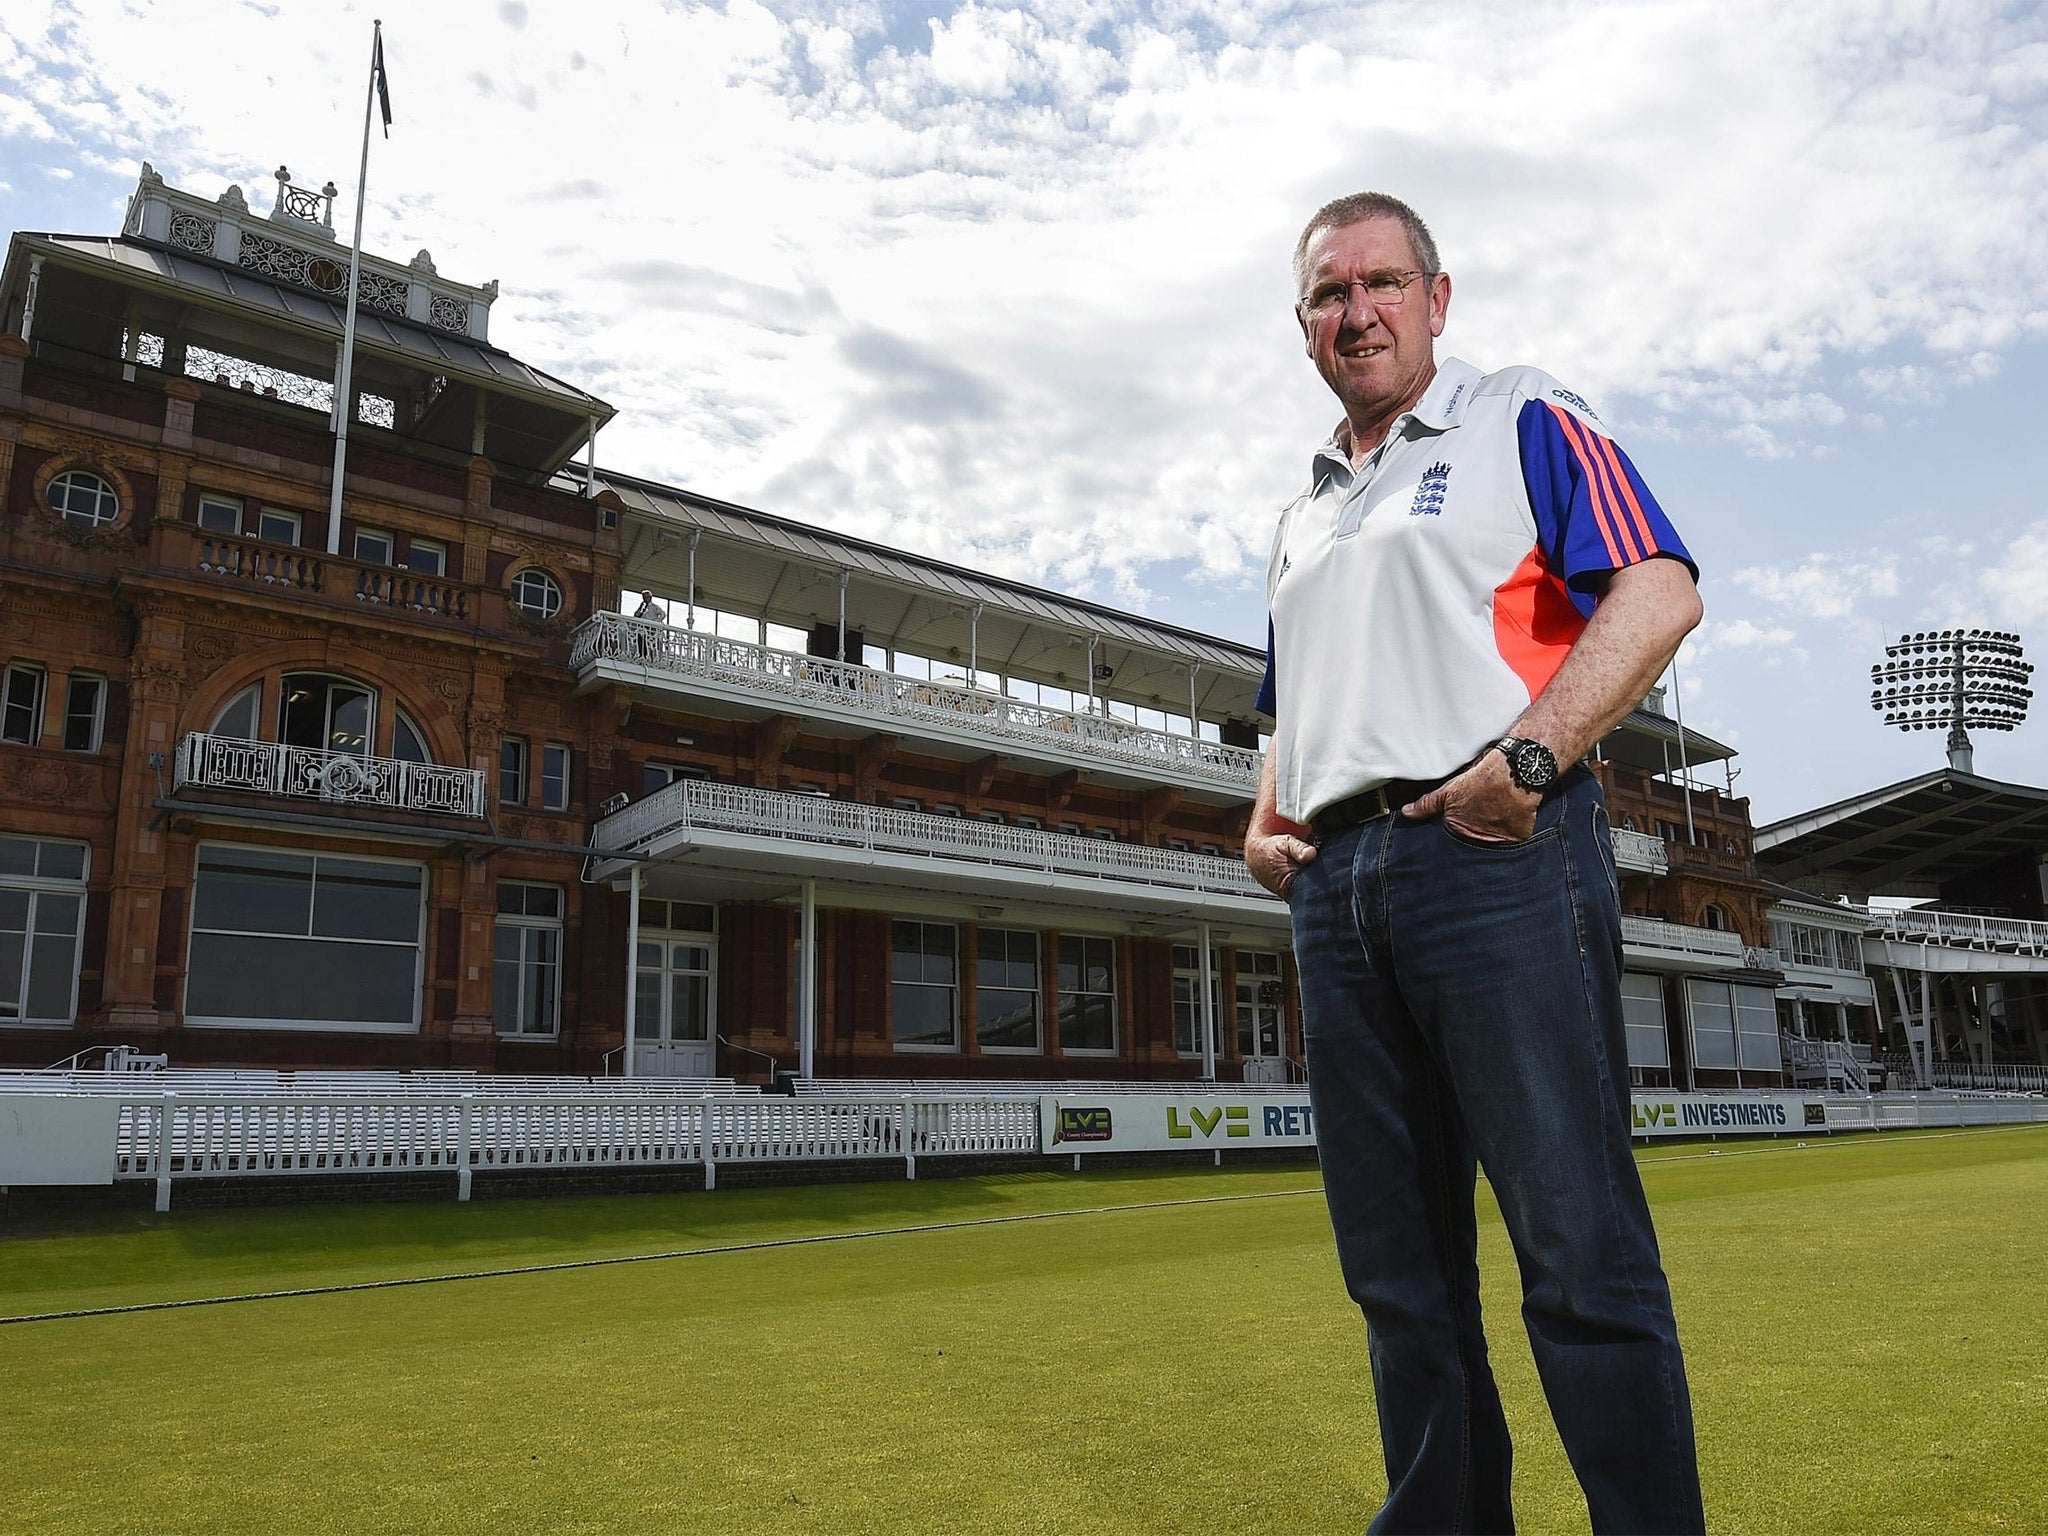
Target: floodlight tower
[1958,679]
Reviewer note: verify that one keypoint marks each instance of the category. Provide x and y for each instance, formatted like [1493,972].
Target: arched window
[237,717]
[536,593]
[408,745]
[82,497]
[1717,918]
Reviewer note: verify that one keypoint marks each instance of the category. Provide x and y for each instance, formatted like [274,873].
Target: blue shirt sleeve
[1594,515]
[1265,701]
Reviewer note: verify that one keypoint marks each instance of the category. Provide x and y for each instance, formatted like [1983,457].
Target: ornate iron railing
[270,768]
[760,669]
[698,805]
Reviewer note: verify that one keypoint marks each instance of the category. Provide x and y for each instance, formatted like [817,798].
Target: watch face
[1534,765]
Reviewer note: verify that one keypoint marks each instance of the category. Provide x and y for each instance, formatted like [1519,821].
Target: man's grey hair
[1356,208]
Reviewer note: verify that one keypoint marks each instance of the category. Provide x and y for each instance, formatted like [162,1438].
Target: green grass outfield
[1864,1320]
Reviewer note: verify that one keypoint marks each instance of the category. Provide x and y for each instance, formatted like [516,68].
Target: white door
[1261,1014]
[672,1024]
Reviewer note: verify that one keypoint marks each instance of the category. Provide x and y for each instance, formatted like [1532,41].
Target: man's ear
[1439,302]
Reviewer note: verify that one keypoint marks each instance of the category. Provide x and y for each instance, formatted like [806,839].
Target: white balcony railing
[339,778]
[1680,938]
[1962,930]
[843,685]
[1640,851]
[695,805]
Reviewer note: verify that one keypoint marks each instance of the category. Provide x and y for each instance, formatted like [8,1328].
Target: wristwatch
[1532,765]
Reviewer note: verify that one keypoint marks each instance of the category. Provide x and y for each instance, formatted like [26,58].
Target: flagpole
[342,400]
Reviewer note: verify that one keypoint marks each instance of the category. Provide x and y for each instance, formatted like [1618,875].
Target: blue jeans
[1462,1006]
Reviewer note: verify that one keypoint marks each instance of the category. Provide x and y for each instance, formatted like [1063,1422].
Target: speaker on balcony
[1240,733]
[825,642]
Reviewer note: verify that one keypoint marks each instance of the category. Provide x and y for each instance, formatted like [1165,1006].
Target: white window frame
[416,547]
[525,764]
[1191,974]
[952,990]
[1115,1046]
[40,688]
[309,1026]
[268,520]
[1647,987]
[549,799]
[551,598]
[231,505]
[1252,974]
[1037,1048]
[38,885]
[106,499]
[524,924]
[97,730]
[375,536]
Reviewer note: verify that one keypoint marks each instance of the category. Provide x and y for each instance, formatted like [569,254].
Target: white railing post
[165,1107]
[462,1144]
[909,1111]
[702,1114]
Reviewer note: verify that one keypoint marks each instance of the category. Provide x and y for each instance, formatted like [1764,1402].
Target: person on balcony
[1473,588]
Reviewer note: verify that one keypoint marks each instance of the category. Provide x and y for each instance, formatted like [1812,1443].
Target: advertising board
[1153,1122]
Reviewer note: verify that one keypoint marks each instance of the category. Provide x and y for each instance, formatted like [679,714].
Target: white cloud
[1013,288]
[1822,586]
[2017,584]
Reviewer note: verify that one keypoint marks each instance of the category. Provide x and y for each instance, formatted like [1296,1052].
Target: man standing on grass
[1474,587]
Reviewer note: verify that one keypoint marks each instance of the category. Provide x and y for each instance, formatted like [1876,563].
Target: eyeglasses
[1386,290]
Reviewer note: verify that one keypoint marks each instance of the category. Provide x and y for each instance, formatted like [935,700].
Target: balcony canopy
[1907,839]
[787,572]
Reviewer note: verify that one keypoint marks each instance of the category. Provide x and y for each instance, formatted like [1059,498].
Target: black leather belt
[1372,804]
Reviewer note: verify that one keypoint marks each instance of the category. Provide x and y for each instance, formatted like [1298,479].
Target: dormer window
[82,497]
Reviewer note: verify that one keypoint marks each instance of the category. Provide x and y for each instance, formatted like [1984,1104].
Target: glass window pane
[426,557]
[251,890]
[354,900]
[407,745]
[1713,1024]
[650,955]
[17,856]
[1086,1023]
[277,527]
[921,1015]
[647,1005]
[348,727]
[13,961]
[1007,1018]
[57,914]
[906,962]
[13,911]
[690,1008]
[505,987]
[82,714]
[309,980]
[61,861]
[238,716]
[53,962]
[219,515]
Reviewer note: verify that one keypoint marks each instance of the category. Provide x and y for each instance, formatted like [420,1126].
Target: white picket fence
[167,1137]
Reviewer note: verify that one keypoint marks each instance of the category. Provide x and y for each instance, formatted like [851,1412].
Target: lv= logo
[1236,1120]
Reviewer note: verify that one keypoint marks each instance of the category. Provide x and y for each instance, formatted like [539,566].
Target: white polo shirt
[1419,604]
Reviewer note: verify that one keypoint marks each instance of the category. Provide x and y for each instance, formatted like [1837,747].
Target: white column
[632,964]
[590,458]
[695,535]
[974,646]
[1208,1011]
[807,985]
[842,615]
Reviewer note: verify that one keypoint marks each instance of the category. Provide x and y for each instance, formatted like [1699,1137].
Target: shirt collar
[1442,406]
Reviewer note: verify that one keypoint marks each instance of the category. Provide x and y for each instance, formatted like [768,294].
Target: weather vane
[1954,679]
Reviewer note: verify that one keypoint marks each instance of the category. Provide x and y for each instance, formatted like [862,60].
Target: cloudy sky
[1009,285]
